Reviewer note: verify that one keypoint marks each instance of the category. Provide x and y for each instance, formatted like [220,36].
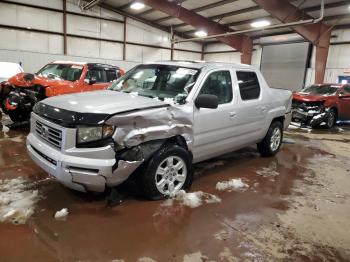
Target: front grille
[49,134]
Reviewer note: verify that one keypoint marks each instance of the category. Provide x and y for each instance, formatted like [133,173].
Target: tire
[271,144]
[161,168]
[18,115]
[331,119]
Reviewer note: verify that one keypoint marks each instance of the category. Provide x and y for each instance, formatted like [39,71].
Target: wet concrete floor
[296,208]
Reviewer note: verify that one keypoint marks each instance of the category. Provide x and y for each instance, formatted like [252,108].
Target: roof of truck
[200,64]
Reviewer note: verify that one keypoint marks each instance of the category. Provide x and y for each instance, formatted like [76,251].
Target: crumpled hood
[309,97]
[105,102]
[19,80]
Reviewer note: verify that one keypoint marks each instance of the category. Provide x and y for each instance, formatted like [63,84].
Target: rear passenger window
[248,85]
[218,83]
[111,75]
[99,74]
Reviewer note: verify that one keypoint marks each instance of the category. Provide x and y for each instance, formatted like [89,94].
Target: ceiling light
[137,5]
[201,33]
[261,23]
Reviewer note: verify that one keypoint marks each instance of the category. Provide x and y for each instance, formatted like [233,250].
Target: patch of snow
[156,98]
[270,171]
[17,201]
[193,199]
[316,117]
[62,214]
[169,100]
[146,259]
[134,94]
[288,141]
[195,257]
[231,185]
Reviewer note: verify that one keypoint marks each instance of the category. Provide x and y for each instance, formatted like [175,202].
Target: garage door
[284,65]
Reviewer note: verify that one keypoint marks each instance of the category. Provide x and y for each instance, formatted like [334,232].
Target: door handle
[232,114]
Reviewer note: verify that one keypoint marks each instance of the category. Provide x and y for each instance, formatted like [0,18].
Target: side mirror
[92,80]
[207,101]
[343,95]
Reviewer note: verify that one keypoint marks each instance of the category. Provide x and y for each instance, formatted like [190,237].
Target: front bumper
[82,169]
[314,118]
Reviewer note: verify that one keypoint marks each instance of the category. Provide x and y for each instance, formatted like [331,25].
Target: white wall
[36,49]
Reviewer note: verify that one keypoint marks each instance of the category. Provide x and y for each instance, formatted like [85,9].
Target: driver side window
[219,83]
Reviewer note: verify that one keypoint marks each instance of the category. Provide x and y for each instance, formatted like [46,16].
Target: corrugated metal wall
[35,49]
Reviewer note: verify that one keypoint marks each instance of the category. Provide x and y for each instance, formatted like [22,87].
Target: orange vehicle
[19,94]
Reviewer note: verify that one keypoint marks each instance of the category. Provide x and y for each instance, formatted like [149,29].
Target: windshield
[321,90]
[158,81]
[61,72]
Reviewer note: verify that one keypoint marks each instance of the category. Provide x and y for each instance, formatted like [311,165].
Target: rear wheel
[167,172]
[332,118]
[270,145]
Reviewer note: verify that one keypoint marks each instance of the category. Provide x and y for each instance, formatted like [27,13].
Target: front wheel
[270,145]
[18,115]
[167,172]
[331,119]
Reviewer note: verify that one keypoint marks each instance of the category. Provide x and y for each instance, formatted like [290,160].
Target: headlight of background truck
[90,134]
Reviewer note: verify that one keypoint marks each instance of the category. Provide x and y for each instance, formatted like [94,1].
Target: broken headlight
[90,134]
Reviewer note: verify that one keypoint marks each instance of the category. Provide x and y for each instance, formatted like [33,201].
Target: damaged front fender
[137,127]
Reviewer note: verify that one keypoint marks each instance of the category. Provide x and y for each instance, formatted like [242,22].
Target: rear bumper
[80,173]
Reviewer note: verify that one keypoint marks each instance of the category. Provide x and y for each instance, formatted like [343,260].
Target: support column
[322,48]
[247,51]
[124,42]
[203,49]
[65,27]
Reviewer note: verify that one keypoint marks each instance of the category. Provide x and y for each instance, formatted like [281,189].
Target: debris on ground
[17,201]
[231,185]
[62,214]
[193,199]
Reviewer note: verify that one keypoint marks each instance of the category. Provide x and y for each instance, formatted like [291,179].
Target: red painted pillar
[322,48]
[247,51]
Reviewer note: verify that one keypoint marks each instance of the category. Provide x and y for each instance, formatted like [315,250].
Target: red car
[19,94]
[325,103]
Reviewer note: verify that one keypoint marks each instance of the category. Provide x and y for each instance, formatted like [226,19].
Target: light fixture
[260,23]
[200,33]
[137,5]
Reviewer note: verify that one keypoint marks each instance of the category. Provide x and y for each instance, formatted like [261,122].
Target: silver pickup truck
[156,121]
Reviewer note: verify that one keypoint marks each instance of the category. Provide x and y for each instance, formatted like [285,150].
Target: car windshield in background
[61,72]
[321,90]
[158,81]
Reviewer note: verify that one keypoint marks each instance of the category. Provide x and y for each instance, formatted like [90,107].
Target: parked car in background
[8,69]
[19,94]
[322,104]
[157,120]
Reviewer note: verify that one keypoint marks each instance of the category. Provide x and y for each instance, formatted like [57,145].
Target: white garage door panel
[284,65]
[151,54]
[8,14]
[181,55]
[134,53]
[32,42]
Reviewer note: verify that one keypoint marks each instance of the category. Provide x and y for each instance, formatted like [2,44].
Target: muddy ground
[295,207]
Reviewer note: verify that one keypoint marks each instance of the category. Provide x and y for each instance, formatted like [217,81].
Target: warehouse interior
[293,206]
